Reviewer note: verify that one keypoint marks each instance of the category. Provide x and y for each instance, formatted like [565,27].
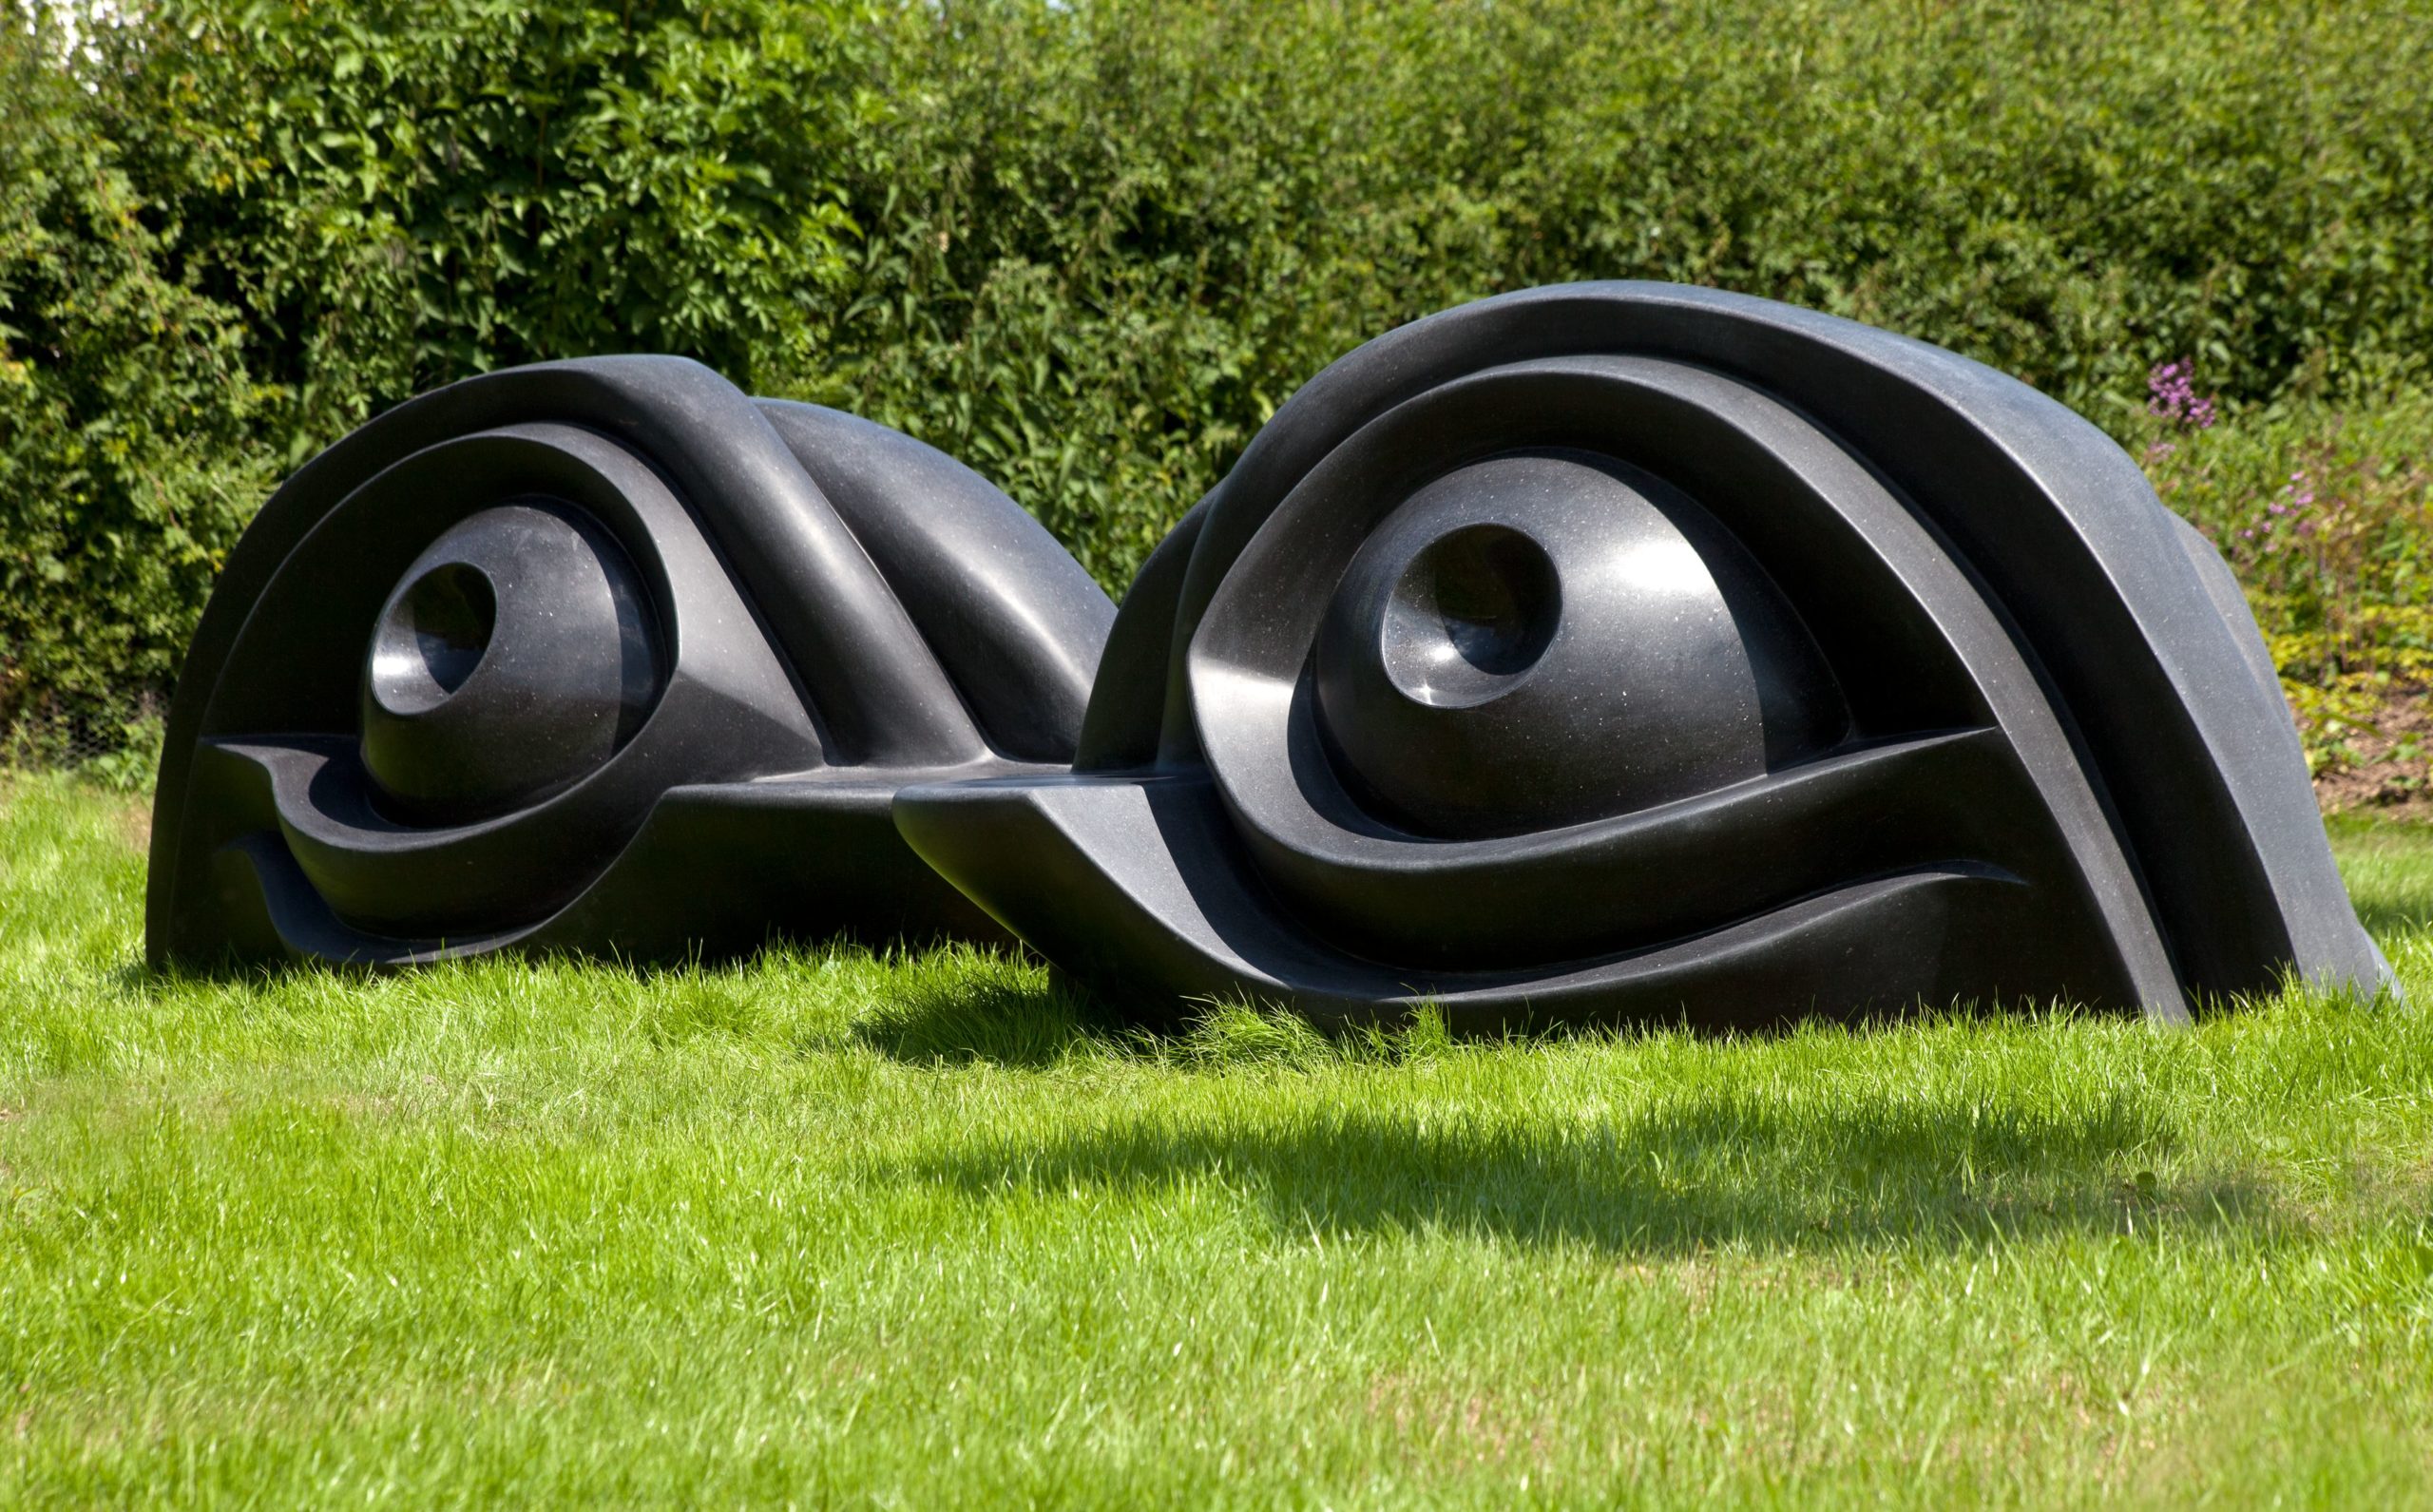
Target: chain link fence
[118,747]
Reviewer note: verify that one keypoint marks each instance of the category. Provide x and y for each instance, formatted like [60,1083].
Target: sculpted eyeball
[517,653]
[1537,640]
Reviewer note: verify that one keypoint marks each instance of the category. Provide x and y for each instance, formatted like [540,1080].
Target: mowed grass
[843,1231]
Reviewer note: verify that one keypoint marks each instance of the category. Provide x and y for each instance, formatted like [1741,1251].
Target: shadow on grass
[959,1019]
[1713,1172]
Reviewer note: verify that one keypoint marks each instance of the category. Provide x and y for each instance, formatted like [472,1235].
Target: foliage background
[1089,245]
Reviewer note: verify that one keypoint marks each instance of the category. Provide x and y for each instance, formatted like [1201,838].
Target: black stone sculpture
[605,654]
[1625,651]
[1610,652]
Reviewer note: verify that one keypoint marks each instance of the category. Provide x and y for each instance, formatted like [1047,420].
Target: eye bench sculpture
[1605,652]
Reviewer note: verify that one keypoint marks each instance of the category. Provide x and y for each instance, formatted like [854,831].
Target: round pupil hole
[1493,592]
[449,615]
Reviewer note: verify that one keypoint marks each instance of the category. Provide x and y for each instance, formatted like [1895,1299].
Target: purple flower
[2171,391]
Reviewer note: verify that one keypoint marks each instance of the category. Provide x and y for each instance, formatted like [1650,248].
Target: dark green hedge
[1090,247]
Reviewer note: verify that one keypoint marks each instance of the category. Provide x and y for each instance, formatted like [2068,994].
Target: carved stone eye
[1538,640]
[603,655]
[1625,651]
[516,655]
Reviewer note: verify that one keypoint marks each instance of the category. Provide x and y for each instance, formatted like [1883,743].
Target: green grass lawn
[843,1231]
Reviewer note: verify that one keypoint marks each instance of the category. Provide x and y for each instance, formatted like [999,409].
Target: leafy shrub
[398,193]
[129,462]
[2326,511]
[1104,241]
[231,230]
[1090,245]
